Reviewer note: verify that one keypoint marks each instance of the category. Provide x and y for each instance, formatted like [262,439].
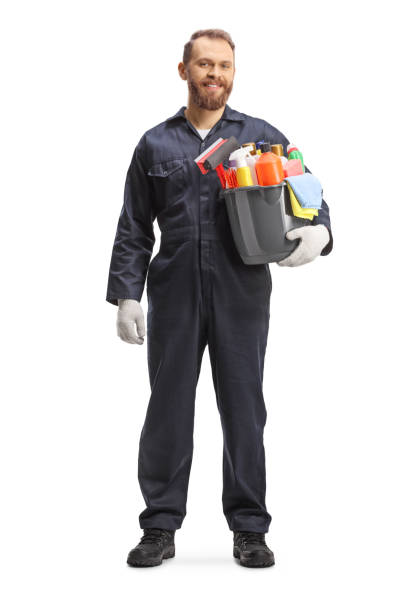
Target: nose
[214,72]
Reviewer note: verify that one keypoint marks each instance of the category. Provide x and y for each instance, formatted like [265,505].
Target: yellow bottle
[244,177]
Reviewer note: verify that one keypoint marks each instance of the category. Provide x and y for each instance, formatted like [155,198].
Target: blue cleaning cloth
[307,189]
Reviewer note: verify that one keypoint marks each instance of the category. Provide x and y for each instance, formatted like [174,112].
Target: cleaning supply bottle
[293,167]
[294,153]
[251,159]
[278,150]
[258,146]
[244,177]
[269,169]
[250,146]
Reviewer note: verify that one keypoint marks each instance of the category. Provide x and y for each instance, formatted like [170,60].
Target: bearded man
[199,293]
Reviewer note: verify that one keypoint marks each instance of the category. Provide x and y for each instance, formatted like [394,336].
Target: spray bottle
[294,153]
[243,171]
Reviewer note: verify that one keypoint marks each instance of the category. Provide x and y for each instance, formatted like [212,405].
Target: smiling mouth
[211,86]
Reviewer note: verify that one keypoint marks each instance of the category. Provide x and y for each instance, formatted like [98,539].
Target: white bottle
[251,161]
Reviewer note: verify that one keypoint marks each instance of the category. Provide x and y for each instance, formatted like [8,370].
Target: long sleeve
[274,136]
[134,240]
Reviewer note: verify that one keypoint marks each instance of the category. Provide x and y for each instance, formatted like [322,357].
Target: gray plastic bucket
[259,218]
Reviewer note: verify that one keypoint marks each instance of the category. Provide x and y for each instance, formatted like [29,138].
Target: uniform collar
[229,114]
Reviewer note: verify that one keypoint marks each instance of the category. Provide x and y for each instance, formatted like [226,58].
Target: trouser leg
[238,331]
[176,337]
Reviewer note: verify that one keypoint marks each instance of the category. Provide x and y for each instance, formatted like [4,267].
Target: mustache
[220,83]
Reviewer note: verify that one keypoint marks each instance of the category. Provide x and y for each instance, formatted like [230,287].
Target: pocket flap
[165,168]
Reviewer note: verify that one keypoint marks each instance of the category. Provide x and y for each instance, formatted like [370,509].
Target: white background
[82,81]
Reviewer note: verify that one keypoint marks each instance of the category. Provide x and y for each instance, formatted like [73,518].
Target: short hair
[211,33]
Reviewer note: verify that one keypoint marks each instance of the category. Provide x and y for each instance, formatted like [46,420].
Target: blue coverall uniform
[199,292]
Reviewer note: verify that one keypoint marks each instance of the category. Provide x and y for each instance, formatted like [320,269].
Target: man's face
[210,72]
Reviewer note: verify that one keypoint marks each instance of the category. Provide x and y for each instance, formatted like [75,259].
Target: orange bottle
[268,168]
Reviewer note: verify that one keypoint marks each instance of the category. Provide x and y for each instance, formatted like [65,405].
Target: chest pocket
[169,182]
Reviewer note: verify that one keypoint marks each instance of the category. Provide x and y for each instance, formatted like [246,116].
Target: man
[199,292]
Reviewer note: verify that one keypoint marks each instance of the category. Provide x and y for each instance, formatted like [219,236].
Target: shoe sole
[248,564]
[171,552]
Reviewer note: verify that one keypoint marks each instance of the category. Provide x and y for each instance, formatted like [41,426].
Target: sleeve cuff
[136,295]
[329,246]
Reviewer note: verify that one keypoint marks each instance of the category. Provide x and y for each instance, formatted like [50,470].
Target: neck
[201,118]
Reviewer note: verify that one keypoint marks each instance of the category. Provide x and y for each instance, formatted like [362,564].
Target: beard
[203,98]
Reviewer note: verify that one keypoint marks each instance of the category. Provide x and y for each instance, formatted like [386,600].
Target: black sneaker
[251,550]
[155,545]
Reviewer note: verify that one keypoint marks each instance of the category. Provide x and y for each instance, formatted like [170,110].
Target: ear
[182,71]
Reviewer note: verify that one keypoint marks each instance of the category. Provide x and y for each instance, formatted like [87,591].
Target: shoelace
[153,536]
[250,537]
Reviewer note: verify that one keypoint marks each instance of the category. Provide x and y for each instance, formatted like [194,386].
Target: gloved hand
[313,240]
[129,313]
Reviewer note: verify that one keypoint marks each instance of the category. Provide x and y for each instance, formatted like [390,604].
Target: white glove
[313,240]
[129,313]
